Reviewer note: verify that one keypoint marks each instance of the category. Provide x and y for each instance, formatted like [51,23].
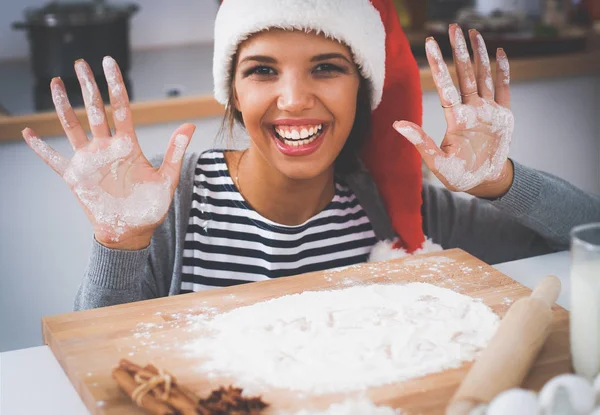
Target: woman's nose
[295,96]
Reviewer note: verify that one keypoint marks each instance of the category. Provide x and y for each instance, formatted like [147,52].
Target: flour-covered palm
[123,195]
[473,156]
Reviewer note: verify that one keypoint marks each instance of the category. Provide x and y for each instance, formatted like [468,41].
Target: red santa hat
[372,31]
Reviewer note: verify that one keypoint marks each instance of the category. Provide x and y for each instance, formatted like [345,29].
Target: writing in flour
[349,339]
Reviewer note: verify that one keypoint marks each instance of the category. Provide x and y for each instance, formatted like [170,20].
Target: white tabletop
[531,270]
[35,369]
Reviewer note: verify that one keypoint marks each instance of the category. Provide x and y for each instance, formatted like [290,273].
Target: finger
[462,61]
[441,76]
[483,71]
[422,142]
[75,133]
[52,157]
[119,99]
[502,79]
[92,99]
[180,139]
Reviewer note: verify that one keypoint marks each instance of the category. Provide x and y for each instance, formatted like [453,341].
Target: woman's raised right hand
[123,195]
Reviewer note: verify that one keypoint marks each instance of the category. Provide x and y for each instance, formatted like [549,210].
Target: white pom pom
[578,390]
[383,250]
[514,401]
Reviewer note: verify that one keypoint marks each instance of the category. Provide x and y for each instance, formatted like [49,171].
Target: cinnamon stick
[186,403]
[149,402]
[161,394]
[176,402]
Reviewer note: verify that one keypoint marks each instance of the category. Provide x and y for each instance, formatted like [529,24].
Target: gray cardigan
[533,218]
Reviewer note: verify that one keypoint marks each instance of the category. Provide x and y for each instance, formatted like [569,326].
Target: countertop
[188,69]
[36,372]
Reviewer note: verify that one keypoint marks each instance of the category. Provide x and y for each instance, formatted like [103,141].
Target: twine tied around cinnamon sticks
[148,382]
[159,393]
[155,390]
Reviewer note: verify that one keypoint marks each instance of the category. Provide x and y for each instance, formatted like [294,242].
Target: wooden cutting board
[89,344]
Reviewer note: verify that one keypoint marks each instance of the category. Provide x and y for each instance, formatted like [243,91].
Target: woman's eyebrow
[326,56]
[259,58]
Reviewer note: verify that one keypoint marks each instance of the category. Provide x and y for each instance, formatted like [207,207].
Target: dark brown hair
[348,159]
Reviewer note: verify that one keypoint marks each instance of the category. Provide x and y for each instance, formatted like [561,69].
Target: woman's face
[297,94]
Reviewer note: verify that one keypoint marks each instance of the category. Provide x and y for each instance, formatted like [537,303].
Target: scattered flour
[121,114]
[95,114]
[485,62]
[114,168]
[181,142]
[110,72]
[496,119]
[61,103]
[462,53]
[51,156]
[417,262]
[353,407]
[116,87]
[146,203]
[442,76]
[85,164]
[384,250]
[499,121]
[411,134]
[466,115]
[344,340]
[505,68]
[471,83]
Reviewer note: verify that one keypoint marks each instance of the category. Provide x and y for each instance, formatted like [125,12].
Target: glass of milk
[585,299]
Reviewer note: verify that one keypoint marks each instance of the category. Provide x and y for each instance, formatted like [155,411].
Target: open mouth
[298,136]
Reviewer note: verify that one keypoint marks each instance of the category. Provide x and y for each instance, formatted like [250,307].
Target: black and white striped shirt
[227,242]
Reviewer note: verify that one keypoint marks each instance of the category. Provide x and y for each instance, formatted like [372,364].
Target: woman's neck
[277,197]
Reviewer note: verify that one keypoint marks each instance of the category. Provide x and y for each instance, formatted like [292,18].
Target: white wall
[45,238]
[177,21]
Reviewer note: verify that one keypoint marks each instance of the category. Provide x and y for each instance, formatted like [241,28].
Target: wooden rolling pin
[511,352]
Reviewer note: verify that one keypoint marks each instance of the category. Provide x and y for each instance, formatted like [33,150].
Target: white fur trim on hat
[384,250]
[357,23]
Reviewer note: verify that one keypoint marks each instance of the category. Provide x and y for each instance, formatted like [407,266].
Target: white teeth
[294,134]
[298,143]
[295,138]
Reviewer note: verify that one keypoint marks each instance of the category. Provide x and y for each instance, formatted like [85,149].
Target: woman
[315,88]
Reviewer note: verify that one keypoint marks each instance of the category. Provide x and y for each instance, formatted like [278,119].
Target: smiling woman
[325,71]
[296,94]
[323,90]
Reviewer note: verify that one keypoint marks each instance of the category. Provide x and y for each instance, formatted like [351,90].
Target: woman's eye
[328,68]
[260,70]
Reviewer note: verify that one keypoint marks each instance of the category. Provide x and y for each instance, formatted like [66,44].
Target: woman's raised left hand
[473,156]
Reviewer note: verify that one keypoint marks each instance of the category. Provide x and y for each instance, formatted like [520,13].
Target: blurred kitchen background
[166,51]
